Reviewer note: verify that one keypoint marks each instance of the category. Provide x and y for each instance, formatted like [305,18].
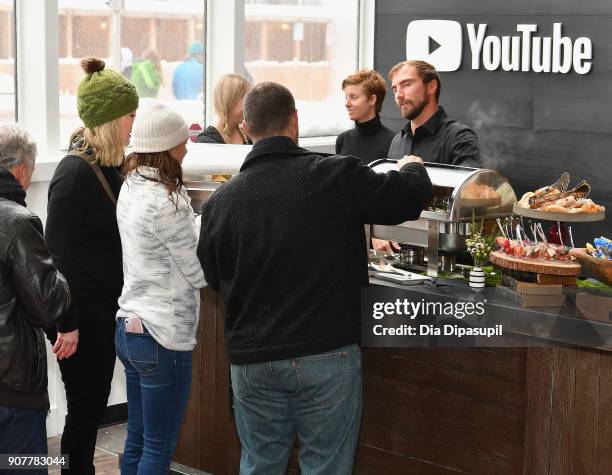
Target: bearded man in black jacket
[284,243]
[33,294]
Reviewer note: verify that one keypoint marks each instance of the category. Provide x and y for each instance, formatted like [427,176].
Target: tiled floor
[110,443]
[106,463]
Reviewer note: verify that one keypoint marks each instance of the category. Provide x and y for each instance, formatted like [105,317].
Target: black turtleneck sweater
[368,141]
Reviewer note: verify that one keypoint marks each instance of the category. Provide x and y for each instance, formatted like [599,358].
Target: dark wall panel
[574,104]
[531,126]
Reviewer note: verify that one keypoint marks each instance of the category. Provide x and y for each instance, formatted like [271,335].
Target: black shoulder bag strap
[96,168]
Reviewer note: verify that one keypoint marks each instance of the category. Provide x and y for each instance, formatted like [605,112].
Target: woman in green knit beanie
[83,238]
[107,104]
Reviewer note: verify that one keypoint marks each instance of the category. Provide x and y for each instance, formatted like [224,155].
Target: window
[309,46]
[158,45]
[7,61]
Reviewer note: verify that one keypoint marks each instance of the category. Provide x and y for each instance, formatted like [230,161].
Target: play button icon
[438,42]
[433,45]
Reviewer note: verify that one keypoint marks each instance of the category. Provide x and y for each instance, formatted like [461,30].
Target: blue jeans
[23,431]
[317,397]
[158,382]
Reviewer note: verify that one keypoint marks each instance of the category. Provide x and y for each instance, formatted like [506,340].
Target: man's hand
[385,246]
[408,159]
[66,344]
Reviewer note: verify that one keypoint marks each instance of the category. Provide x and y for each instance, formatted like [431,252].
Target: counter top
[583,320]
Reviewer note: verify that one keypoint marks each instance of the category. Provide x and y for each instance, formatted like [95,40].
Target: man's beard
[416,110]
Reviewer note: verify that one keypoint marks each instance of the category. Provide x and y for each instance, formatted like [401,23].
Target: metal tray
[401,277]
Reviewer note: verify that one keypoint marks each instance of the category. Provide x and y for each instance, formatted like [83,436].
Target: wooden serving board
[553,216]
[538,266]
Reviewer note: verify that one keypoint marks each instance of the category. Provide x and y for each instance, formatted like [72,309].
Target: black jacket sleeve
[387,198]
[41,290]
[68,197]
[206,251]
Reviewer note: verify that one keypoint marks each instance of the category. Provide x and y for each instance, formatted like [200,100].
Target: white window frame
[38,66]
[38,73]
[224,46]
[367,21]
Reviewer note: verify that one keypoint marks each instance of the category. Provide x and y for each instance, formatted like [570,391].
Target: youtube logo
[439,42]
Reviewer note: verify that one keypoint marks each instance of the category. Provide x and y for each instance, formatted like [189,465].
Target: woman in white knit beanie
[159,305]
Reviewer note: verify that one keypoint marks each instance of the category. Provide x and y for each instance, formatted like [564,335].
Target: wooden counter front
[436,411]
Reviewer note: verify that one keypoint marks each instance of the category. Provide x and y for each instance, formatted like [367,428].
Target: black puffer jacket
[33,294]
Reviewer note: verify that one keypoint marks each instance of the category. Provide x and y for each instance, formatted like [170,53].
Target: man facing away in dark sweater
[292,294]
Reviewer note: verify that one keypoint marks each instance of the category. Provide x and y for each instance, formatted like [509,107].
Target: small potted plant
[479,246]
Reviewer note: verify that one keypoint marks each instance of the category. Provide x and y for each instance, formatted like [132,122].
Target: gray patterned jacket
[161,272]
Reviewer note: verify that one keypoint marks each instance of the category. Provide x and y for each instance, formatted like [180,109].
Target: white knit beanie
[158,129]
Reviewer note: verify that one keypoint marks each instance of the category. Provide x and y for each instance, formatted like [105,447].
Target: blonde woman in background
[229,97]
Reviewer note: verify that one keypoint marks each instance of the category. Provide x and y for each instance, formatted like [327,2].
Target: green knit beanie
[104,95]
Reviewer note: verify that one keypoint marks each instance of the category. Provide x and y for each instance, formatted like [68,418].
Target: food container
[411,255]
[199,191]
[459,192]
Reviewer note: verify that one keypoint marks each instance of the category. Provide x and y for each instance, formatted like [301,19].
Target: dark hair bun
[92,65]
